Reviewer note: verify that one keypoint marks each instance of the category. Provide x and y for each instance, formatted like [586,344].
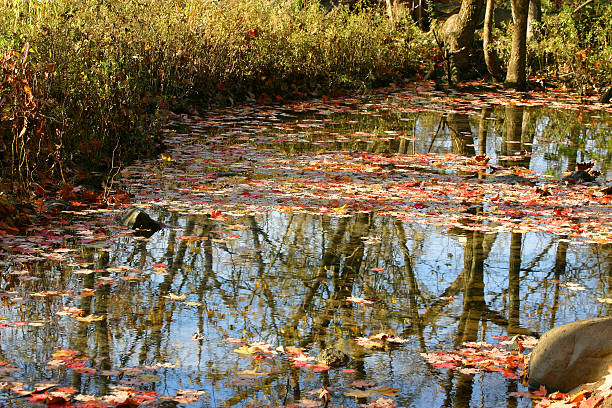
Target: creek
[275,215]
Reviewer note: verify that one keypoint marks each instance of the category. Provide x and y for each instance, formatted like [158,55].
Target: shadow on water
[163,307]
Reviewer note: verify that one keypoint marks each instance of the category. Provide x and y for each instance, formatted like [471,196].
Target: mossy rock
[334,357]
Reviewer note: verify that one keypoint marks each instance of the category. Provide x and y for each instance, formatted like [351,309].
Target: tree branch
[583,5]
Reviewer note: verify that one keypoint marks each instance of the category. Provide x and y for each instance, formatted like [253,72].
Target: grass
[84,78]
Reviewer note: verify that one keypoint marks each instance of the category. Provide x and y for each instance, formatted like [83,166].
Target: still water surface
[266,272]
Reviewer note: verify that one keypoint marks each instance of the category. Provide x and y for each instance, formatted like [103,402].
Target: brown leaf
[364,384]
[384,390]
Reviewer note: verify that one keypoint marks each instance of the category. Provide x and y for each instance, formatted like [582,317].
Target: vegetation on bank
[82,81]
[81,78]
[570,47]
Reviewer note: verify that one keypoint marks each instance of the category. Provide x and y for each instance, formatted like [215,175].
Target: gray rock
[573,354]
[137,219]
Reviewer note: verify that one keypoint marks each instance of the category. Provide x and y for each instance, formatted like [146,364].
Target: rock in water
[571,355]
[579,177]
[333,357]
[57,205]
[138,220]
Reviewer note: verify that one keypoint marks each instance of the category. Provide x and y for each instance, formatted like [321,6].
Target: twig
[442,121]
[110,179]
[583,5]
[446,56]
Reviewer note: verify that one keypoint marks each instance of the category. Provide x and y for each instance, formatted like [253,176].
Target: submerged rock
[334,357]
[512,179]
[137,219]
[57,205]
[573,354]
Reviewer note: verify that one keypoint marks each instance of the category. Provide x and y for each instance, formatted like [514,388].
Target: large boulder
[573,354]
[137,219]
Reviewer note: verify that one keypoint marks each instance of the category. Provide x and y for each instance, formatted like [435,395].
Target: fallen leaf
[252,373]
[384,390]
[90,318]
[173,296]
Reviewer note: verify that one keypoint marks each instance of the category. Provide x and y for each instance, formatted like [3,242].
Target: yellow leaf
[166,157]
[253,373]
[88,292]
[90,318]
[246,349]
[358,393]
[173,296]
[64,353]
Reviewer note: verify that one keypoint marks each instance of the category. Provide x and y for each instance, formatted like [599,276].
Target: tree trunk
[391,11]
[420,14]
[512,136]
[490,55]
[458,35]
[516,77]
[514,277]
[534,16]
[461,134]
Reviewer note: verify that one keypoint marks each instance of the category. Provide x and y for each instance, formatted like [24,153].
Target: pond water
[275,215]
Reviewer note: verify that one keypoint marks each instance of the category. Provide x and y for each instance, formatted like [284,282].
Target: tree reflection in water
[284,280]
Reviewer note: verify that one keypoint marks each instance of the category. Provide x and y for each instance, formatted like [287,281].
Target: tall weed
[98,71]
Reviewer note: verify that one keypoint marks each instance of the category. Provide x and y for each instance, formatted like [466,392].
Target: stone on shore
[572,354]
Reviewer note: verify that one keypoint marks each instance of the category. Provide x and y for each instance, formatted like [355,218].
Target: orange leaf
[541,392]
[592,402]
[578,396]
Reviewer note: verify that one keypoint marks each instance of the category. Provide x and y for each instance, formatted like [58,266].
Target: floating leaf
[386,391]
[173,296]
[90,318]
[252,373]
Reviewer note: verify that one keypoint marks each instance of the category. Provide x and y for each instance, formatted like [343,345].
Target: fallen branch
[583,5]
